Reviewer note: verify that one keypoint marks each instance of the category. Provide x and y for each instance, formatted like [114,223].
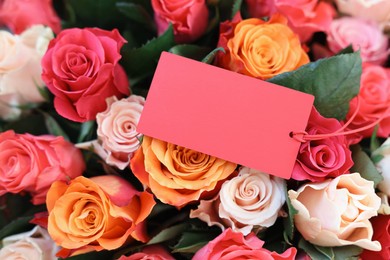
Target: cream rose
[336,212]
[20,68]
[252,200]
[35,244]
[384,166]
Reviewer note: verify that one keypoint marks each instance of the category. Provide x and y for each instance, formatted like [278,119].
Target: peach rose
[20,68]
[372,102]
[233,245]
[364,35]
[177,175]
[260,49]
[154,252]
[32,163]
[336,212]
[378,10]
[384,166]
[251,200]
[103,212]
[34,244]
[188,17]
[305,17]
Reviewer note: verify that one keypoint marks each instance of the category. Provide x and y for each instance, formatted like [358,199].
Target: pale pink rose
[384,166]
[305,17]
[20,68]
[32,163]
[154,252]
[364,35]
[189,18]
[372,102]
[251,200]
[35,244]
[337,212]
[118,138]
[377,10]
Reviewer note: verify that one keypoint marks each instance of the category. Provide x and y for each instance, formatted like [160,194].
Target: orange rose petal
[56,190]
[147,204]
[137,166]
[140,232]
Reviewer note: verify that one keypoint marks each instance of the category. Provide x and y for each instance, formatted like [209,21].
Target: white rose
[20,68]
[35,244]
[384,166]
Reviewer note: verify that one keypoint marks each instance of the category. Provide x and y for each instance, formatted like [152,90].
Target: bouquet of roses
[78,181]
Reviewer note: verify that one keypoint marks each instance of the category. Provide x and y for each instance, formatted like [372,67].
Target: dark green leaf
[347,252]
[137,13]
[333,81]
[191,242]
[17,226]
[194,52]
[168,233]
[289,221]
[24,125]
[374,141]
[376,158]
[141,62]
[328,251]
[312,250]
[53,127]
[364,165]
[210,57]
[44,92]
[86,130]
[348,49]
[236,7]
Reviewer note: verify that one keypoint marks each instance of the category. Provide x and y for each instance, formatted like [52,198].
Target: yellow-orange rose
[177,175]
[260,49]
[99,213]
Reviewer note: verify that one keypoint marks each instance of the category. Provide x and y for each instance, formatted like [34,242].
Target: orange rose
[99,213]
[260,49]
[178,175]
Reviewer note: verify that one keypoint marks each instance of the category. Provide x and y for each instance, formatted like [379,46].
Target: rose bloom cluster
[83,72]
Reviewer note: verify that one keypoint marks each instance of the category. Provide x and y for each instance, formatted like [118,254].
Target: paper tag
[225,114]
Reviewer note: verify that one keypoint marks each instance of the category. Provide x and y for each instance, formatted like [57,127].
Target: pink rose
[305,17]
[252,200]
[373,100]
[336,212]
[325,158]
[188,17]
[233,245]
[154,252]
[378,10]
[81,69]
[21,14]
[381,225]
[363,35]
[32,163]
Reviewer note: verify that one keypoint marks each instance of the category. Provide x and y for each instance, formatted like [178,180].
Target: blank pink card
[225,114]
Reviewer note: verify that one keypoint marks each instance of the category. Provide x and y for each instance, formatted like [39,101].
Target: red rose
[32,163]
[81,69]
[381,225]
[233,245]
[188,17]
[321,159]
[21,14]
[153,252]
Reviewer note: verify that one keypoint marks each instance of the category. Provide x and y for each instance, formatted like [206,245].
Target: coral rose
[81,69]
[99,213]
[22,14]
[363,35]
[372,102]
[34,244]
[154,252]
[177,175]
[378,10]
[233,245]
[20,69]
[324,158]
[305,17]
[188,17]
[251,200]
[336,212]
[381,225]
[383,166]
[260,49]
[32,163]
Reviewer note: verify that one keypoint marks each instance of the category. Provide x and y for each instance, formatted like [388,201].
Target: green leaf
[19,225]
[168,233]
[141,62]
[194,52]
[191,242]
[364,165]
[289,221]
[374,141]
[137,13]
[86,130]
[348,49]
[210,57]
[312,251]
[236,7]
[347,252]
[44,92]
[333,81]
[53,127]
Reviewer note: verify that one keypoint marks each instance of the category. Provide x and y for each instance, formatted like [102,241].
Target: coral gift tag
[225,114]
